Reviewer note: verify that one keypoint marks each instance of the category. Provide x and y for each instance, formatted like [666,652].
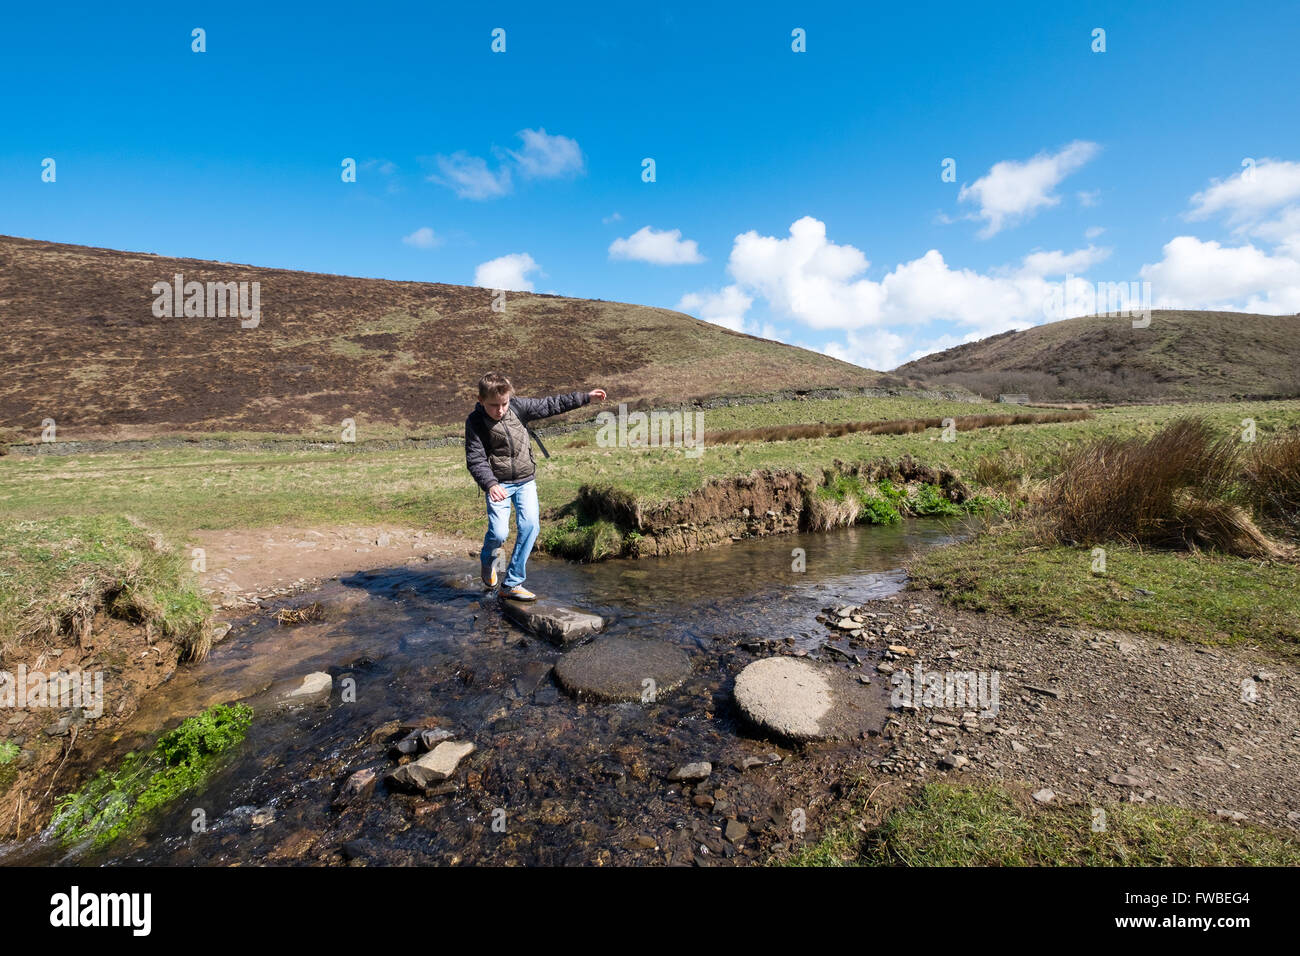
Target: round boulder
[623,668]
[799,700]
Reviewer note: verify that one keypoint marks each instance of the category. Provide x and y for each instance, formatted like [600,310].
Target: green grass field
[947,825]
[179,491]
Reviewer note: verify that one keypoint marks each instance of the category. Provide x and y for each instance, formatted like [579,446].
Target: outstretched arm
[529,409]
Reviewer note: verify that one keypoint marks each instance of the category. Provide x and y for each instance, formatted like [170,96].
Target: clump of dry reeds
[898,426]
[1272,476]
[307,613]
[1174,489]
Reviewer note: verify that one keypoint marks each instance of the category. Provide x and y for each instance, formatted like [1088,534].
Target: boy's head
[494,393]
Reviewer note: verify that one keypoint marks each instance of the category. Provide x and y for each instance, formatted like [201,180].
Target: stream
[553,780]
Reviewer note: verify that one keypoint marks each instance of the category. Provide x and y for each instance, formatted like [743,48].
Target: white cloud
[1206,274]
[1015,190]
[881,349]
[1088,197]
[615,217]
[1195,274]
[726,307]
[819,285]
[660,247]
[807,277]
[422,238]
[1092,232]
[507,272]
[470,177]
[1057,263]
[1250,194]
[546,156]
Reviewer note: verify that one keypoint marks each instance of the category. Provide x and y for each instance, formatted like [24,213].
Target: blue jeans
[524,496]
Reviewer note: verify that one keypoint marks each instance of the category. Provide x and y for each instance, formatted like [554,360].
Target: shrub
[879,511]
[929,502]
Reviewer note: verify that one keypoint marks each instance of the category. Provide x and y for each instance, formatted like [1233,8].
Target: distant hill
[81,345]
[1180,356]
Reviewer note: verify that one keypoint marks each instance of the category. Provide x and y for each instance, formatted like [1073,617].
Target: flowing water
[553,780]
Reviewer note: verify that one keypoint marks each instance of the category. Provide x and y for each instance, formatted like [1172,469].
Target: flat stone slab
[558,623]
[434,767]
[618,668]
[800,700]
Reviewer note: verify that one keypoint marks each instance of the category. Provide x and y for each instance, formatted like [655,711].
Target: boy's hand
[497,493]
[596,394]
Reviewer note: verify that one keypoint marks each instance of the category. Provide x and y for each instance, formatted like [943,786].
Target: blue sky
[798,195]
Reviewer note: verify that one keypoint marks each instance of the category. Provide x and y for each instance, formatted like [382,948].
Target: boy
[500,457]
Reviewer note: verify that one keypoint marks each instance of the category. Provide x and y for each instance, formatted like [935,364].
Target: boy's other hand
[596,394]
[497,493]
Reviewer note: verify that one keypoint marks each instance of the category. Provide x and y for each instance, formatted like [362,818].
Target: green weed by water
[179,762]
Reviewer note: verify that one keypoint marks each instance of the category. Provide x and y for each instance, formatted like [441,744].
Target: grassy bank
[947,825]
[1202,597]
[57,574]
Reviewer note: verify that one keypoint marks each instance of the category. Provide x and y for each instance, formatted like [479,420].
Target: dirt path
[1096,716]
[244,567]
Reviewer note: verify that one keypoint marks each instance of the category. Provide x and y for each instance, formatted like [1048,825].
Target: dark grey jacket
[500,451]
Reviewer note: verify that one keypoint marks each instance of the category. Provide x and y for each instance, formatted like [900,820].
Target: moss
[180,761]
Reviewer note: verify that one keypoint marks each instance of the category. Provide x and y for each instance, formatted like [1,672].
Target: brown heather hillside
[81,345]
[1180,356]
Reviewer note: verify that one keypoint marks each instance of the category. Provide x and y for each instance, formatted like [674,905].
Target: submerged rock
[557,623]
[623,668]
[800,700]
[312,687]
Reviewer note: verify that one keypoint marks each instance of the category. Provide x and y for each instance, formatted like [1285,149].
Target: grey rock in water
[556,623]
[800,700]
[623,668]
[429,739]
[434,767]
[692,772]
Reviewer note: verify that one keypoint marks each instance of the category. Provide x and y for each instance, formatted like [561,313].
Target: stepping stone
[617,668]
[799,700]
[557,623]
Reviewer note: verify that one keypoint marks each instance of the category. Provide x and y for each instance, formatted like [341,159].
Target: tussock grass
[1272,476]
[1174,489]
